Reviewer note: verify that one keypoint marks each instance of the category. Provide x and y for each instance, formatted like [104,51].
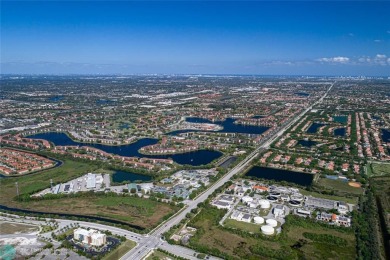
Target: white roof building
[90,237]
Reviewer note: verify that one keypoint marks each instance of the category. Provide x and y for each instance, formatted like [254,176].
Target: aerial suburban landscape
[192,165]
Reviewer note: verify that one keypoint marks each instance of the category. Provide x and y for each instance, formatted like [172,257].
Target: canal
[196,158]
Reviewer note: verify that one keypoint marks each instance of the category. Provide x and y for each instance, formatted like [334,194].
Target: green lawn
[158,255]
[120,250]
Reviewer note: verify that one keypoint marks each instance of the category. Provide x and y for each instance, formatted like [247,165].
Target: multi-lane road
[146,243]
[153,241]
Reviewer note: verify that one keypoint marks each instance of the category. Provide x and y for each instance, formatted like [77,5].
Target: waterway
[196,158]
[314,127]
[300,178]
[339,131]
[121,176]
[386,135]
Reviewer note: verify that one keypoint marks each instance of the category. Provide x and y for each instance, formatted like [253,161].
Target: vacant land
[121,250]
[240,225]
[16,228]
[41,180]
[133,210]
[352,200]
[339,186]
[300,239]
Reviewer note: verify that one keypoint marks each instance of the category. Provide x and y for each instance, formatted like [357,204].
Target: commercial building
[90,237]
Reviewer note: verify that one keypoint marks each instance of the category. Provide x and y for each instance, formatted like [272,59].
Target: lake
[196,158]
[121,176]
[314,127]
[339,131]
[228,126]
[307,143]
[385,135]
[300,178]
[302,94]
[340,119]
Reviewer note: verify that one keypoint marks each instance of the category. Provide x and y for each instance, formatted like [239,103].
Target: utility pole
[17,189]
[51,184]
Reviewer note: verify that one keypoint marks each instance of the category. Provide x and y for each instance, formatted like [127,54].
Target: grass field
[120,250]
[16,228]
[291,244]
[339,186]
[378,169]
[158,255]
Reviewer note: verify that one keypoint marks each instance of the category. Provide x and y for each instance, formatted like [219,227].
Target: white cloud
[337,59]
[378,59]
[377,41]
[380,56]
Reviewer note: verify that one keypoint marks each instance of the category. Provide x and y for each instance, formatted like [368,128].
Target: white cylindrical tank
[264,204]
[297,197]
[258,220]
[271,222]
[247,199]
[267,230]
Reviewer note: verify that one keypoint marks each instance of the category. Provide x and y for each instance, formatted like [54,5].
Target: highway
[153,241]
[146,243]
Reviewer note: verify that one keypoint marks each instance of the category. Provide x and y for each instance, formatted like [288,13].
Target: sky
[349,38]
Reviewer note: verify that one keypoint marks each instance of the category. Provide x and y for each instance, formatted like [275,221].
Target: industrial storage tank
[258,220]
[264,204]
[267,230]
[271,222]
[297,197]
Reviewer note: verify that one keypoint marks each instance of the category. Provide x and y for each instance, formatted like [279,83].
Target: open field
[378,169]
[133,210]
[330,197]
[41,180]
[293,243]
[16,228]
[339,186]
[120,250]
[240,225]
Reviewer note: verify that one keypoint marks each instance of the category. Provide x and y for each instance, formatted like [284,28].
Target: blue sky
[235,37]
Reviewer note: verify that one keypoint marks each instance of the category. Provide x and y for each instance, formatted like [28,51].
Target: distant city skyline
[257,38]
